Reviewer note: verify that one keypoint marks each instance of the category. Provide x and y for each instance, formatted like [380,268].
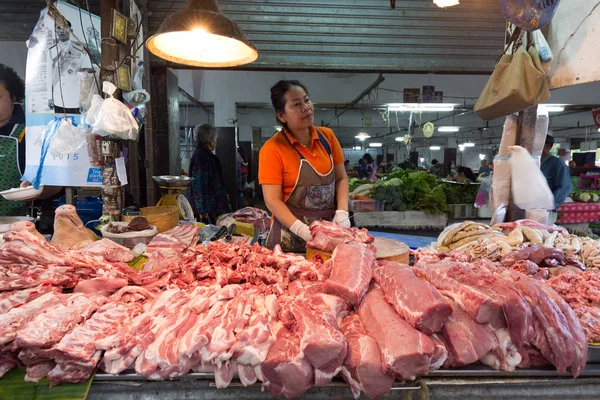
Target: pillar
[225,122]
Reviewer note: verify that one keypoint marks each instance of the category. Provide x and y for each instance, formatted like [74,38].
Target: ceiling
[313,35]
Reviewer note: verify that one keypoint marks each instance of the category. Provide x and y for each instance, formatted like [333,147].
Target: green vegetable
[585,197]
[460,193]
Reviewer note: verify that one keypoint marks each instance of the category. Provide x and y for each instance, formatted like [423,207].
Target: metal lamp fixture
[201,36]
[446,3]
[362,136]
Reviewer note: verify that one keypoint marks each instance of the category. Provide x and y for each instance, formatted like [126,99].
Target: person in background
[12,138]
[437,168]
[208,192]
[464,174]
[558,177]
[242,168]
[371,169]
[362,169]
[347,166]
[484,169]
[301,170]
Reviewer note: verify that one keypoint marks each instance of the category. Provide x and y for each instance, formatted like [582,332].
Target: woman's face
[212,145]
[298,111]
[6,104]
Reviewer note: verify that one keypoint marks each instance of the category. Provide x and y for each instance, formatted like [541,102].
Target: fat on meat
[17,298]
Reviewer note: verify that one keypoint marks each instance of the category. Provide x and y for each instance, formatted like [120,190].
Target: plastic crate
[464,211]
[366,205]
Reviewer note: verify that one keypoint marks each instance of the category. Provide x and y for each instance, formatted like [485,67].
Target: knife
[230,232]
[219,234]
[255,237]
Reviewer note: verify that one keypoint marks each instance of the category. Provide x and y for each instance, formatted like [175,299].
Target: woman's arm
[341,187]
[275,204]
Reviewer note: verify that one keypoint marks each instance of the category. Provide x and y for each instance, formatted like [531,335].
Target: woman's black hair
[12,82]
[368,158]
[278,92]
[468,172]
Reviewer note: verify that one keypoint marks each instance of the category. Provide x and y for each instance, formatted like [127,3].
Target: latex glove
[300,229]
[342,218]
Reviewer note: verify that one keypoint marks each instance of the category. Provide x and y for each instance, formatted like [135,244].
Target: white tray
[22,194]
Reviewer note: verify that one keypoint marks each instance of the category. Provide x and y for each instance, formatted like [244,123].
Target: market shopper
[464,174]
[301,170]
[208,193]
[558,177]
[12,138]
[484,168]
[371,169]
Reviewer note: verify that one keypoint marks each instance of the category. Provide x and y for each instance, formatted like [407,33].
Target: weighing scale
[175,185]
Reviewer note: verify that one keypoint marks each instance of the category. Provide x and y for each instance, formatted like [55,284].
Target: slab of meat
[167,248]
[440,353]
[405,352]
[250,215]
[98,331]
[351,272]
[7,362]
[16,298]
[48,327]
[467,340]
[109,250]
[416,300]
[285,370]
[327,235]
[482,307]
[552,333]
[23,247]
[363,366]
[510,226]
[12,321]
[323,345]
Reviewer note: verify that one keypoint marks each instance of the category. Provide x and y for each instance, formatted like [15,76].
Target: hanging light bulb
[201,36]
[362,136]
[446,3]
[482,156]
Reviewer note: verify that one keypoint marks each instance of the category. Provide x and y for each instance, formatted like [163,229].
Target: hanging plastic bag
[94,111]
[44,141]
[483,195]
[529,186]
[87,87]
[67,139]
[542,47]
[114,117]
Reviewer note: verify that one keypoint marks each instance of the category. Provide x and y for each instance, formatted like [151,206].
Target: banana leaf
[138,262]
[13,386]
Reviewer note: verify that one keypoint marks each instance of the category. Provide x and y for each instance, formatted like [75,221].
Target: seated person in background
[484,169]
[464,174]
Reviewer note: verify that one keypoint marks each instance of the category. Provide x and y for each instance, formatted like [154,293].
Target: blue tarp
[411,241]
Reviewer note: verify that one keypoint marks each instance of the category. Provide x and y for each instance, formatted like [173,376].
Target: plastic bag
[87,87]
[94,110]
[500,182]
[114,117]
[483,195]
[67,139]
[542,47]
[44,141]
[529,186]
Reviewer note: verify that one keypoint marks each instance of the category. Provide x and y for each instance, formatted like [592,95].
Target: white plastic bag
[529,186]
[67,139]
[94,111]
[87,87]
[114,117]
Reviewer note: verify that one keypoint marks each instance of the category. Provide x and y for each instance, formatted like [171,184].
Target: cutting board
[387,249]
[391,250]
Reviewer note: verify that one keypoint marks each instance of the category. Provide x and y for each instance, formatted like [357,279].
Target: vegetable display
[460,193]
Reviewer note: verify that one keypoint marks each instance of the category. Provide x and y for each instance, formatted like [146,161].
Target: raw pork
[405,351]
[351,272]
[327,235]
[363,366]
[416,300]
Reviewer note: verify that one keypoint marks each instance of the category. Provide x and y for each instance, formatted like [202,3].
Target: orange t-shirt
[279,163]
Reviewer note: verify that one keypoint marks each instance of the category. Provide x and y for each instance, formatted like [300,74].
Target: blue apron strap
[288,140]
[324,142]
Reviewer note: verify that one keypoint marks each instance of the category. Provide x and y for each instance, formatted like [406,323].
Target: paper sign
[121,170]
[596,115]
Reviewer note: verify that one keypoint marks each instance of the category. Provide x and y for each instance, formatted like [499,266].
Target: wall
[14,54]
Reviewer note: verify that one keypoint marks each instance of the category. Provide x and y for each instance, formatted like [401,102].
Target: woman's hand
[301,230]
[342,219]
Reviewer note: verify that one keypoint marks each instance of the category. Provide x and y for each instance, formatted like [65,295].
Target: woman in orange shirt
[301,170]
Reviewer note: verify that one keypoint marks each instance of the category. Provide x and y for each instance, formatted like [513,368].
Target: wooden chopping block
[391,250]
[310,253]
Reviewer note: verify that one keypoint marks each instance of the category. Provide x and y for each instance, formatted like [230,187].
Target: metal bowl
[172,181]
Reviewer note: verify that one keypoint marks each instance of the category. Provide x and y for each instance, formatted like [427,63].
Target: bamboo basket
[164,218]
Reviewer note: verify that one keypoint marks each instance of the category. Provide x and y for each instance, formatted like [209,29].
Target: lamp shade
[201,36]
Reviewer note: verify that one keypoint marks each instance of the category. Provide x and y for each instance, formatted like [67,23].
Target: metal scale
[174,196]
